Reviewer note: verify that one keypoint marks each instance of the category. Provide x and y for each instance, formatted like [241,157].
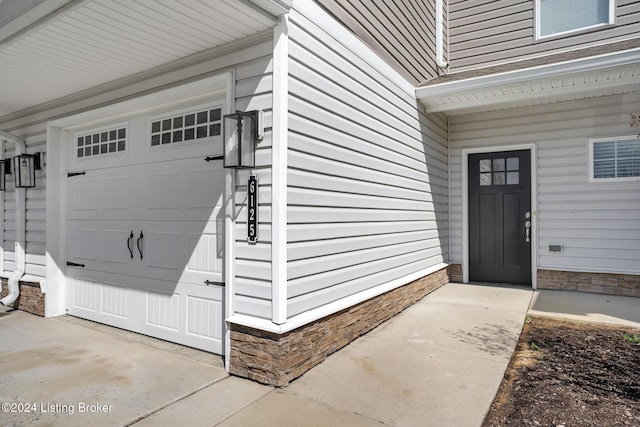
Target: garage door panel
[192,315]
[84,242]
[145,227]
[114,242]
[110,301]
[101,195]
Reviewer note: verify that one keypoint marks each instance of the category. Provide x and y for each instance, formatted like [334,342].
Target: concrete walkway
[439,363]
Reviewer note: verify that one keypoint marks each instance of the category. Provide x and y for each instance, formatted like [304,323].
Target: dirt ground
[570,374]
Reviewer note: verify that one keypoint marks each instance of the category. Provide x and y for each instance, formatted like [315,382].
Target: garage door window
[101,142]
[195,125]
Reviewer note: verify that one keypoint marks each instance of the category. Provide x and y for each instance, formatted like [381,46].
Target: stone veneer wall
[275,359]
[601,283]
[31,298]
[455,273]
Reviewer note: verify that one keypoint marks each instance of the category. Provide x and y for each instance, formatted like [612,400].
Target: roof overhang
[53,49]
[602,75]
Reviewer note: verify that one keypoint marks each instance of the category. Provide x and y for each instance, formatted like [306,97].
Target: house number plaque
[252,209]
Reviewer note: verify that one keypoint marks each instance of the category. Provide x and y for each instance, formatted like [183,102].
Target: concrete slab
[209,406]
[59,373]
[438,363]
[491,297]
[461,329]
[586,307]
[404,385]
[284,408]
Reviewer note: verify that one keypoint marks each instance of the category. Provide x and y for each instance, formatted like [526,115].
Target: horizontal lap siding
[367,175]
[487,32]
[35,137]
[401,31]
[598,224]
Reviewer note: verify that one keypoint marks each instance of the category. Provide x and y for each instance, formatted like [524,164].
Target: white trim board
[334,307]
[534,204]
[279,165]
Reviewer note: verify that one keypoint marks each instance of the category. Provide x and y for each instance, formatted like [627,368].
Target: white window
[557,17]
[615,158]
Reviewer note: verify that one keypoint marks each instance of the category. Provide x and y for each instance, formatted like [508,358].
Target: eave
[50,50]
[587,77]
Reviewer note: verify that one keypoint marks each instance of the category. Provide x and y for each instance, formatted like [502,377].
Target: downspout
[440,62]
[20,243]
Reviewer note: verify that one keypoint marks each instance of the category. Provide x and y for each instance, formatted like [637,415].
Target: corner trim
[280,134]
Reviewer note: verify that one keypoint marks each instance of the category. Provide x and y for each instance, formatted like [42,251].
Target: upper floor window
[557,17]
[614,158]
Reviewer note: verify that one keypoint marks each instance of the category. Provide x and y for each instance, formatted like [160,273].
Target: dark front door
[500,217]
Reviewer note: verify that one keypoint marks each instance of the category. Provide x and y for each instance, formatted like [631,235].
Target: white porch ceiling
[47,54]
[611,74]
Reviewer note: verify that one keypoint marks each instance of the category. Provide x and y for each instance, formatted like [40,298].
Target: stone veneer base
[277,359]
[31,298]
[601,283]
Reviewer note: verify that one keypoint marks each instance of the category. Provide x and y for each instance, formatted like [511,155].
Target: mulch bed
[570,374]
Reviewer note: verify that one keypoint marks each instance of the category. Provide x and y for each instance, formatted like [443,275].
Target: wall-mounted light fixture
[25,166]
[5,169]
[241,132]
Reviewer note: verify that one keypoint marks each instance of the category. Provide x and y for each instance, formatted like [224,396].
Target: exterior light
[25,166]
[5,169]
[241,132]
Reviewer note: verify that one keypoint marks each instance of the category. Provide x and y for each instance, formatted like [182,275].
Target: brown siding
[401,31]
[489,32]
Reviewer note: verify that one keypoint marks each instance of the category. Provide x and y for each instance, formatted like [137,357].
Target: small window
[558,17]
[188,126]
[500,171]
[99,143]
[614,159]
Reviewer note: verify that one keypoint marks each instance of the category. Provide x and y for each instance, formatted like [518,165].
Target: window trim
[591,160]
[540,37]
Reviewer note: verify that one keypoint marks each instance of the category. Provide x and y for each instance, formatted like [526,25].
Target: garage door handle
[129,244]
[138,244]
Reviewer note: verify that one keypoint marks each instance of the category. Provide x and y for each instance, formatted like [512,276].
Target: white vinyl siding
[35,214]
[597,224]
[558,17]
[367,179]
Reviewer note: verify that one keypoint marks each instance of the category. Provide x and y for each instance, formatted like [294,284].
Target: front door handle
[527,226]
[138,244]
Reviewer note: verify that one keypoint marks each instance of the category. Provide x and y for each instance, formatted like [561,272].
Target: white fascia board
[274,7]
[543,72]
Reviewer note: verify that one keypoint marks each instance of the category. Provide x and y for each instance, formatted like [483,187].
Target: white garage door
[145,226]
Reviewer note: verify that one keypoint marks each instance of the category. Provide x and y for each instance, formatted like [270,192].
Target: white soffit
[88,43]
[611,74]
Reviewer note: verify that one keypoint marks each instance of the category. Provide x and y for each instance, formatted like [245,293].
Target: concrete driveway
[438,363]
